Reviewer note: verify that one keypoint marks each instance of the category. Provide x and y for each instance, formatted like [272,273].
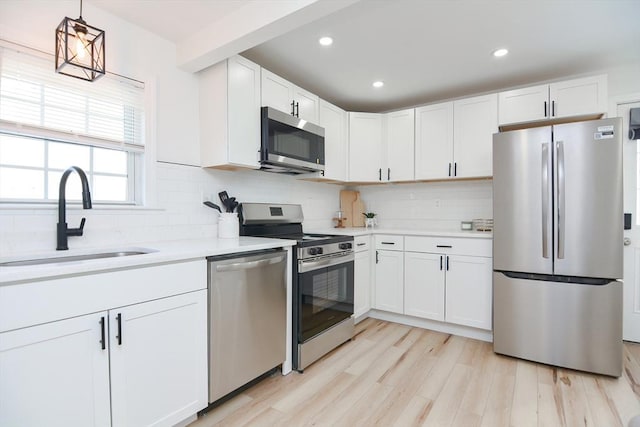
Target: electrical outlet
[437,203]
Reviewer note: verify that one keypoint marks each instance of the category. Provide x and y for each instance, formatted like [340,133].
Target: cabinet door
[243,112]
[362,283]
[277,92]
[468,291]
[334,121]
[159,360]
[55,374]
[390,281]
[475,122]
[434,141]
[579,97]
[524,105]
[424,285]
[307,104]
[365,144]
[399,141]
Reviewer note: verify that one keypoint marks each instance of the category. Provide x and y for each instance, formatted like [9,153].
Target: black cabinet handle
[119,336]
[440,262]
[297,109]
[377,257]
[449,168]
[545,108]
[455,169]
[553,108]
[388,174]
[380,174]
[387,243]
[102,334]
[444,246]
[447,263]
[360,244]
[293,108]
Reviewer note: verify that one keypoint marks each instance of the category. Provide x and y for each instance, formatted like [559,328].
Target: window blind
[37,102]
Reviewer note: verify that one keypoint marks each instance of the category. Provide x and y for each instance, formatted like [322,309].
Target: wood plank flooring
[396,375]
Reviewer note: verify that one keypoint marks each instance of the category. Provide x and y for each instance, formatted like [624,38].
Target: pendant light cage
[79,49]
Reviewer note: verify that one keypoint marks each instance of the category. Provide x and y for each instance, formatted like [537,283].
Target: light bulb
[81,41]
[80,48]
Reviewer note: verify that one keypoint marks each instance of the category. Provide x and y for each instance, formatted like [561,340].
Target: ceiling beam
[253,24]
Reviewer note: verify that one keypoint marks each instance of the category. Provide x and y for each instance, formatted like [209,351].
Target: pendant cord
[80,8]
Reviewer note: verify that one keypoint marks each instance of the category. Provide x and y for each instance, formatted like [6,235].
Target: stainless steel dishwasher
[247,318]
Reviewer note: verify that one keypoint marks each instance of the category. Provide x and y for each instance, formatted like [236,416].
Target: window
[49,122]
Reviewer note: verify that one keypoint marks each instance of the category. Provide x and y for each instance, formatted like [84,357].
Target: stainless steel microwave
[290,144]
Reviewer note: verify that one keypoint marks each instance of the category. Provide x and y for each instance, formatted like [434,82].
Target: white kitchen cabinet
[230,114]
[55,374]
[334,121]
[449,279]
[362,276]
[434,141]
[584,97]
[424,283]
[365,147]
[398,164]
[469,291]
[158,372]
[389,274]
[475,120]
[151,369]
[455,139]
[284,96]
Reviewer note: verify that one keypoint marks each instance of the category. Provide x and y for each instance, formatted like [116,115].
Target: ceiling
[423,50]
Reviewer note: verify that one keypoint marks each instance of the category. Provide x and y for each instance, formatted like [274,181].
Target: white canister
[228,225]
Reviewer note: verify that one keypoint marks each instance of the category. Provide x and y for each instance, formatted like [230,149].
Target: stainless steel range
[322,279]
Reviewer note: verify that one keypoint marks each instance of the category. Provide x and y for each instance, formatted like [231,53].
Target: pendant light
[79,49]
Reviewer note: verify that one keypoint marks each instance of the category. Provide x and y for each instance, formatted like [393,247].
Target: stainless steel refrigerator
[557,245]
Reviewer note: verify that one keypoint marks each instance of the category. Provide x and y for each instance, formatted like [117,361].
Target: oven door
[288,141]
[326,294]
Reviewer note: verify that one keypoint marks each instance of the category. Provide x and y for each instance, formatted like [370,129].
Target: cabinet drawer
[449,245]
[390,242]
[362,243]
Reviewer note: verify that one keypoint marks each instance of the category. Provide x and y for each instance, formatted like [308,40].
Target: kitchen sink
[71,258]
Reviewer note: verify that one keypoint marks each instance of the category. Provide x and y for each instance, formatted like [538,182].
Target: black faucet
[63,231]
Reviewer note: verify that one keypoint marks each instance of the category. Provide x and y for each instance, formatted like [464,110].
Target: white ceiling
[424,50]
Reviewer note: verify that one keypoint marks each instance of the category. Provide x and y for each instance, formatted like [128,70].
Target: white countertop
[360,231]
[163,252]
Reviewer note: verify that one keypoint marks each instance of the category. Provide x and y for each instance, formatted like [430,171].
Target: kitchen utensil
[212,206]
[233,206]
[230,203]
[223,198]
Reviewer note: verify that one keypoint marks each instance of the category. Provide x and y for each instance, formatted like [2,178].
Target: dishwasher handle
[236,266]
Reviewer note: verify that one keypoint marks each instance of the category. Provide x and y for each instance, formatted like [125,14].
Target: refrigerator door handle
[545,200]
[561,197]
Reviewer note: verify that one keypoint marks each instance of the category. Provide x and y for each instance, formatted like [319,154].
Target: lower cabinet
[450,288]
[389,289]
[362,279]
[139,365]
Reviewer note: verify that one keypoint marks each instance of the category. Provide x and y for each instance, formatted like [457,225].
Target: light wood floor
[392,374]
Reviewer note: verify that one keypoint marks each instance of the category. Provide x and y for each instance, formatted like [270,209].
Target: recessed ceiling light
[326,41]
[378,84]
[500,52]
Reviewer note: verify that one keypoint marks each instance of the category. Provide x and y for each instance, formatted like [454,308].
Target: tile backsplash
[429,206]
[179,213]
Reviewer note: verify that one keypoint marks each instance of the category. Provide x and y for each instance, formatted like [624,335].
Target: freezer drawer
[570,325]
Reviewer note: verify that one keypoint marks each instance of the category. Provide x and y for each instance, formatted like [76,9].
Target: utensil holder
[228,225]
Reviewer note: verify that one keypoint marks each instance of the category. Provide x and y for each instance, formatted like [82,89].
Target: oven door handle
[306,266]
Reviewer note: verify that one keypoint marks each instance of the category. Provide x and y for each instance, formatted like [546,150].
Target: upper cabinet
[334,121]
[475,120]
[399,144]
[365,147]
[230,114]
[454,139]
[284,96]
[570,98]
[434,141]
